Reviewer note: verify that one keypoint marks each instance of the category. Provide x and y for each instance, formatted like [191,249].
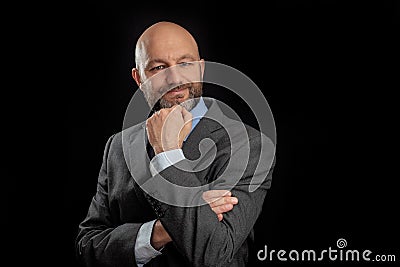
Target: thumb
[187,116]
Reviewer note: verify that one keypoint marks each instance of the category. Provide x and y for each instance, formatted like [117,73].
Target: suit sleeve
[202,239]
[102,241]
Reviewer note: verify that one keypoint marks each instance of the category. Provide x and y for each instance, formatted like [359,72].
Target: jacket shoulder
[117,140]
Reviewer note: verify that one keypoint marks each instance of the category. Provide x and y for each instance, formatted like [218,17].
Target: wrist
[159,236]
[158,150]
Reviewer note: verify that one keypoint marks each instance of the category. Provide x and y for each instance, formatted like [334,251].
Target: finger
[163,112]
[222,209]
[220,217]
[216,194]
[219,200]
[149,123]
[175,108]
[222,201]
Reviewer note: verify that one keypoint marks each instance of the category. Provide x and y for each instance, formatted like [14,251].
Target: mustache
[156,100]
[169,88]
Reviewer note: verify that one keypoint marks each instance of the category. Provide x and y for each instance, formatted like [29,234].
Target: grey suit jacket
[107,235]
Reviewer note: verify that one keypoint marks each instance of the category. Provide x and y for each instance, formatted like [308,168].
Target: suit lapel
[136,154]
[195,150]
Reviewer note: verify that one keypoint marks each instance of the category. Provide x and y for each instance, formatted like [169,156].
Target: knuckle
[217,209]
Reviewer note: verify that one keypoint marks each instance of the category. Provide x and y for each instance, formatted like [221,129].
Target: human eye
[157,68]
[185,64]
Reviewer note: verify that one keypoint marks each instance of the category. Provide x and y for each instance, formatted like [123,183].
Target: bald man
[128,225]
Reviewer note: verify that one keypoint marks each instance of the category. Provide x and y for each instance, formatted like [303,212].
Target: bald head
[164,41]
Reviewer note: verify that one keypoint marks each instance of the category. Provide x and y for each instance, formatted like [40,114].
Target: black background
[327,69]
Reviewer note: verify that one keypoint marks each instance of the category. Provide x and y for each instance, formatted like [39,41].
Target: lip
[176,91]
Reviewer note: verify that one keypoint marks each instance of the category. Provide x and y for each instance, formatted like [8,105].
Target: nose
[174,77]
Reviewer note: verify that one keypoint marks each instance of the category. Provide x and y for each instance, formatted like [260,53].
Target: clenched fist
[168,127]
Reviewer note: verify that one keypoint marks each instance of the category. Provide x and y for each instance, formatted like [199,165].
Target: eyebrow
[157,60]
[188,56]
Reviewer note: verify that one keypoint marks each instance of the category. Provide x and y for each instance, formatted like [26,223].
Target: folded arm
[194,229]
[202,231]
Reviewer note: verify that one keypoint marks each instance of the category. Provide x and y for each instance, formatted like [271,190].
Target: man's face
[170,71]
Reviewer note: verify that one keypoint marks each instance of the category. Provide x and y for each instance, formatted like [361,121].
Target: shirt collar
[199,110]
[197,113]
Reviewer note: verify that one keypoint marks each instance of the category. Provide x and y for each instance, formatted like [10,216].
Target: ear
[202,66]
[136,76]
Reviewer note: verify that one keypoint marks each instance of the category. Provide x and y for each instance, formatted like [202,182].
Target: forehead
[168,47]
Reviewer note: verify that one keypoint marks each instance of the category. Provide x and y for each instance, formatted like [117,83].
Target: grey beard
[189,104]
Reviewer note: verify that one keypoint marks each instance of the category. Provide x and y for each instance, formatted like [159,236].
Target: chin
[176,98]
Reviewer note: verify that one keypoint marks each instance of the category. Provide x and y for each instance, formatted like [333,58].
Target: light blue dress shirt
[144,251]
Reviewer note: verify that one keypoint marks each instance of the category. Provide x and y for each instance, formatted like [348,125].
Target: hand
[220,201]
[159,236]
[168,127]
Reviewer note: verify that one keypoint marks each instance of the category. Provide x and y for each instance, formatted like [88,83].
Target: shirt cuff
[165,159]
[144,251]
